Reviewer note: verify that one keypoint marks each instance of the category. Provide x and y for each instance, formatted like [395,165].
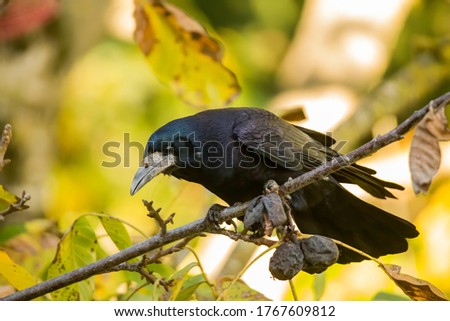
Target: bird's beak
[153,164]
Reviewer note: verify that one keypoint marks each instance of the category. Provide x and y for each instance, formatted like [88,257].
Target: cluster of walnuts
[312,255]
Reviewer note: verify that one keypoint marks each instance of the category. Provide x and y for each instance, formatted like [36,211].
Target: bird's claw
[271,187]
[212,216]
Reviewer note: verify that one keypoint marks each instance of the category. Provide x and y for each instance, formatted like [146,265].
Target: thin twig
[200,226]
[139,267]
[156,255]
[19,206]
[151,257]
[152,213]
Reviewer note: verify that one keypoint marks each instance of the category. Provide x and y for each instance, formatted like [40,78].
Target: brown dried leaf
[416,289]
[265,213]
[425,153]
[275,210]
[254,215]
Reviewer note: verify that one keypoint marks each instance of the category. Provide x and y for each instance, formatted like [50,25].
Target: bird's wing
[295,149]
[281,142]
[324,139]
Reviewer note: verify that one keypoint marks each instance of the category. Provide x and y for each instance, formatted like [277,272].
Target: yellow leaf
[15,274]
[416,289]
[425,153]
[6,198]
[183,55]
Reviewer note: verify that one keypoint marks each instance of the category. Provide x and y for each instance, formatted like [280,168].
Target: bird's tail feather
[327,209]
[363,177]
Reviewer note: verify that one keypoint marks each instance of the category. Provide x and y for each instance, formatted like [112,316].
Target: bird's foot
[212,216]
[271,187]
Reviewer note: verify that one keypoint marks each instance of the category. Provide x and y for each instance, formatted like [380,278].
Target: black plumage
[234,151]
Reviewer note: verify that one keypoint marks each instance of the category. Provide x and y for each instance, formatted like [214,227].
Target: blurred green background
[76,89]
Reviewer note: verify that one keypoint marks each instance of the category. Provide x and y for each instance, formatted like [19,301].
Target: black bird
[233,152]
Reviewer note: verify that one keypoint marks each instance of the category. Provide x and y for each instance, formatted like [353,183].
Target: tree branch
[365,150]
[204,226]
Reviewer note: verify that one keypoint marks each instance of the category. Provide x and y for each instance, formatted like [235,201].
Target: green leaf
[8,231]
[165,270]
[183,55]
[319,285]
[189,286]
[116,231]
[77,248]
[15,274]
[238,290]
[181,273]
[180,278]
[385,296]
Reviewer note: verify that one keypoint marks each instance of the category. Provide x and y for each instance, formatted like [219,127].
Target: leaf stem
[239,275]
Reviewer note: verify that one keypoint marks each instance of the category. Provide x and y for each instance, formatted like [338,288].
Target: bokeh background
[76,89]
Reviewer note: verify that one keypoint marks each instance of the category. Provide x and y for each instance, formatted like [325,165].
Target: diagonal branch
[201,226]
[365,150]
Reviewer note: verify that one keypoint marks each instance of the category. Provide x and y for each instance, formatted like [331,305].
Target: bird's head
[169,149]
